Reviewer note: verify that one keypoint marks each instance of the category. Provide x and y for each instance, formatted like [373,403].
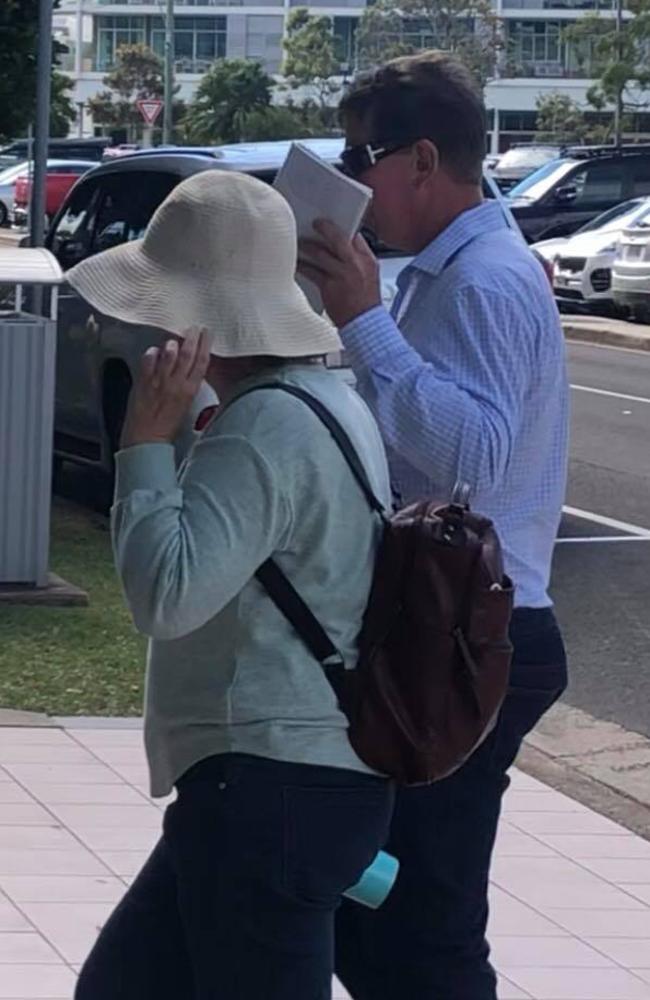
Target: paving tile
[11,793]
[641,892]
[585,845]
[514,844]
[554,952]
[36,982]
[508,990]
[55,837]
[25,814]
[511,917]
[558,882]
[620,870]
[23,861]
[71,927]
[643,974]
[45,753]
[525,782]
[580,984]
[33,736]
[110,838]
[72,794]
[539,801]
[11,919]
[140,816]
[628,952]
[126,864]
[562,822]
[63,774]
[63,888]
[134,774]
[25,949]
[595,923]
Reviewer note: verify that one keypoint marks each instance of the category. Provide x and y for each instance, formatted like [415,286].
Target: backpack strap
[277,585]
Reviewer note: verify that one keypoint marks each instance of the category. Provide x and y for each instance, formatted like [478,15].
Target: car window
[128,201]
[598,184]
[640,171]
[613,218]
[539,183]
[69,239]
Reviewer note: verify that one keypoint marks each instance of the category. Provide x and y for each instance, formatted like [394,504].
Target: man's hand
[345,272]
[164,389]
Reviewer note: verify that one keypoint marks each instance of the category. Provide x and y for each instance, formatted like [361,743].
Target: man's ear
[425,161]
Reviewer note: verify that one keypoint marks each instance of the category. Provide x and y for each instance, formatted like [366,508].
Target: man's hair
[430,95]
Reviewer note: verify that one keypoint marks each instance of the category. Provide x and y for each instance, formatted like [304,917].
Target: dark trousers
[237,900]
[427,942]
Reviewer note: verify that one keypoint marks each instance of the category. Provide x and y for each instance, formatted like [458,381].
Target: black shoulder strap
[279,588]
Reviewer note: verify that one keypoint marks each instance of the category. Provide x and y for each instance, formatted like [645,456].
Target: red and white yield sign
[149,108]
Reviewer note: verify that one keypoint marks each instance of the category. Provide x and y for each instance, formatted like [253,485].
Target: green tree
[18,40]
[310,58]
[467,28]
[62,110]
[280,122]
[229,93]
[562,120]
[618,59]
[137,75]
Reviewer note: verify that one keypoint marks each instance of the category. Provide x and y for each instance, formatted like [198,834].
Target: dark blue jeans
[237,900]
[427,942]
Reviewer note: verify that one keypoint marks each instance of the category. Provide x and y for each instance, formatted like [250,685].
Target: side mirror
[566,195]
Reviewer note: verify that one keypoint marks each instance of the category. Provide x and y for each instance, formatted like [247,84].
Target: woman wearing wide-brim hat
[275,814]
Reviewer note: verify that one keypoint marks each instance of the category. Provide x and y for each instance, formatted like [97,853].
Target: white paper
[317,190]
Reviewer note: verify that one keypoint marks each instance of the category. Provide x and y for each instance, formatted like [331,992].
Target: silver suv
[97,356]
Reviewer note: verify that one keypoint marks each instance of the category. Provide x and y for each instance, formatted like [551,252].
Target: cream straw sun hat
[220,253]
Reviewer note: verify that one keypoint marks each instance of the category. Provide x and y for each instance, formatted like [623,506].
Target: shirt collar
[485,218]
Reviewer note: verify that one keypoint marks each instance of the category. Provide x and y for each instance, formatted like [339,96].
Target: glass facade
[198,41]
[540,49]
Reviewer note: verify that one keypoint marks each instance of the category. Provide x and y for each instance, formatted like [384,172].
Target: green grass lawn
[74,661]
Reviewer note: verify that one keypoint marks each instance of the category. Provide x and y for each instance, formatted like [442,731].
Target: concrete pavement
[570,893]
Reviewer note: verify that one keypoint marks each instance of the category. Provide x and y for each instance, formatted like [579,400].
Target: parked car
[97,355]
[61,149]
[60,177]
[631,271]
[8,178]
[582,263]
[568,192]
[520,161]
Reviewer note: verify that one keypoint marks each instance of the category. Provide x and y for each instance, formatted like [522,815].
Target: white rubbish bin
[27,371]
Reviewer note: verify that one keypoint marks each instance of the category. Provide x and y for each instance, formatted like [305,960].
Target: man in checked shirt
[467,380]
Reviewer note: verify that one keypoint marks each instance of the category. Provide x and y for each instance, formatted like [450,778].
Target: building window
[198,41]
[114,32]
[536,48]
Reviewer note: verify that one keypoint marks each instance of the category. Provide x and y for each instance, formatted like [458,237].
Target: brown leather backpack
[434,654]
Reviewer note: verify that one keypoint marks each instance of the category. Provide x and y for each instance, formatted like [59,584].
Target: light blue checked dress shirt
[467,380]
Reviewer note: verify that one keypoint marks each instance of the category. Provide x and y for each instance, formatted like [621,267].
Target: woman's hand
[167,382]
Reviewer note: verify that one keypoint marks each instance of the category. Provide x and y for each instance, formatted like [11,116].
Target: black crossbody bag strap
[277,585]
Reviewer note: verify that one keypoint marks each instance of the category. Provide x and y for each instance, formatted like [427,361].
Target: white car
[631,271]
[582,275]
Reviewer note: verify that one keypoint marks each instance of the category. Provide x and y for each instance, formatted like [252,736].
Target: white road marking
[603,538]
[608,522]
[606,392]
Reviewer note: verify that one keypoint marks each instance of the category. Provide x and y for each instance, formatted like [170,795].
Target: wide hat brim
[243,317]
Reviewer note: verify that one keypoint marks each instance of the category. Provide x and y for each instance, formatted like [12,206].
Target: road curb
[594,762]
[636,341]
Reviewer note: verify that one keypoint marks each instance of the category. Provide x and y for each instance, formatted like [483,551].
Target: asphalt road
[602,588]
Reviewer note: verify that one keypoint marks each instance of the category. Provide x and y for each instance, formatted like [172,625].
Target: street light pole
[42,122]
[618,110]
[168,127]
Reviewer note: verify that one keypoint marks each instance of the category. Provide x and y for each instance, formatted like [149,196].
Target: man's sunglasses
[355,160]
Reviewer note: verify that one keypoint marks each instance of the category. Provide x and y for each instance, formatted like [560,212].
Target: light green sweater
[225,671]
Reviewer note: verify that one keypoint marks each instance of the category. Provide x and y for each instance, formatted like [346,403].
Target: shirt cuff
[372,338]
[145,467]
